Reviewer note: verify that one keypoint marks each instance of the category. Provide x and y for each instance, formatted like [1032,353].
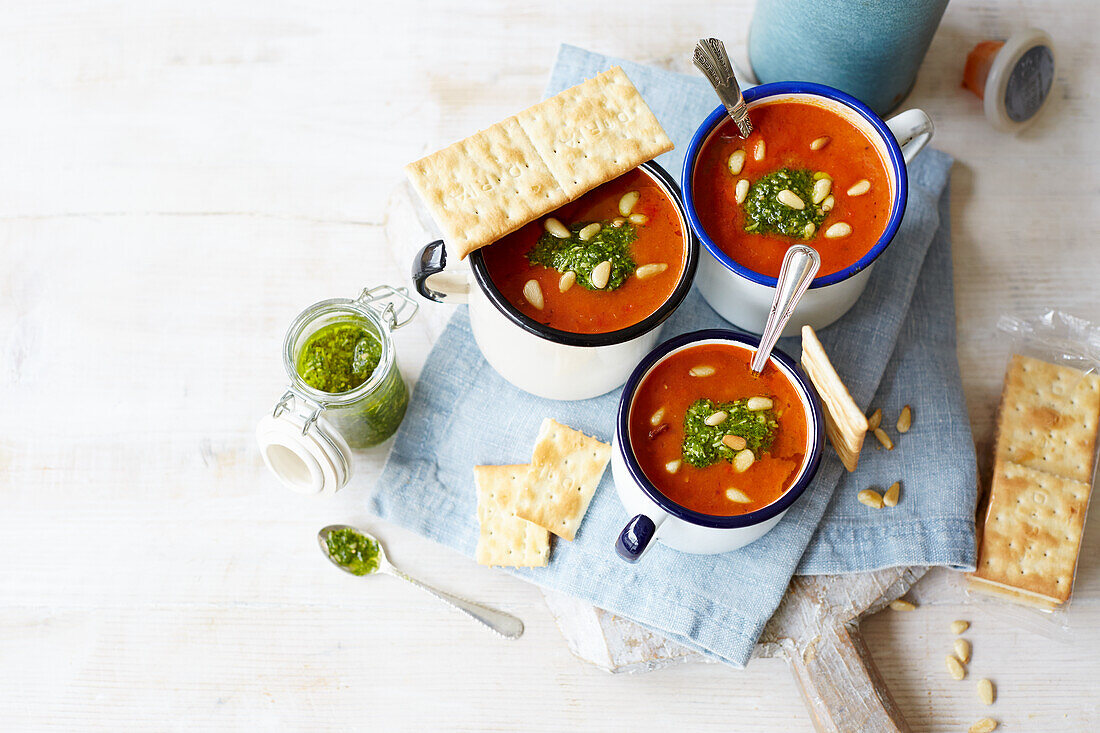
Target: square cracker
[1032,532]
[845,423]
[492,183]
[594,132]
[1048,418]
[566,467]
[506,539]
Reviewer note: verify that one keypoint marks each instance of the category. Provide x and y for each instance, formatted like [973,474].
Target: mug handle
[636,537]
[430,279]
[912,129]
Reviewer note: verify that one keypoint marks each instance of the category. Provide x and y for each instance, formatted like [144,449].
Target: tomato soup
[558,281]
[715,438]
[742,205]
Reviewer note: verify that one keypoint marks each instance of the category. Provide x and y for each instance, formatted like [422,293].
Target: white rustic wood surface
[177,180]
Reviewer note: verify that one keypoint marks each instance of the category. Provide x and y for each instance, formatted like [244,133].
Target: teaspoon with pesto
[358,553]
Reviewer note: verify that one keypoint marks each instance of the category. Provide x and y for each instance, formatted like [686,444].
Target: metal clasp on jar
[393,305]
[286,405]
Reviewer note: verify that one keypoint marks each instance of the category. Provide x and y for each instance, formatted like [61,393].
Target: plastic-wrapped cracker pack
[1043,464]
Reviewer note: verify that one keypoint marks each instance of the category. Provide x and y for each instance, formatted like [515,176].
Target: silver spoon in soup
[800,264]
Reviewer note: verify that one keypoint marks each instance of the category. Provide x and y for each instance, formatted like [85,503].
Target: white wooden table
[178,180]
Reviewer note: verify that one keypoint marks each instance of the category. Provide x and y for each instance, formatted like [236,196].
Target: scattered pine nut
[628,201]
[740,191]
[874,420]
[986,693]
[716,419]
[820,142]
[884,439]
[566,281]
[756,404]
[902,605]
[985,725]
[651,270]
[871,498]
[890,498]
[743,460]
[758,151]
[787,197]
[601,273]
[589,231]
[656,418]
[673,466]
[822,174]
[821,189]
[808,230]
[955,667]
[556,228]
[703,370]
[618,221]
[838,230]
[639,219]
[860,187]
[957,627]
[533,294]
[828,203]
[737,495]
[736,161]
[905,419]
[962,650]
[734,442]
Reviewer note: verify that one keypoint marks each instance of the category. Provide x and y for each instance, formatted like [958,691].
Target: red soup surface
[659,425]
[787,130]
[659,240]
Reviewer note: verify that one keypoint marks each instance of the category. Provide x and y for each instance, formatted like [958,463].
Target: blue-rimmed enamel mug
[655,517]
[742,296]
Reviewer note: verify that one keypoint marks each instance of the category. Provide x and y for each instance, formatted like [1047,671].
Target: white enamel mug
[744,297]
[544,361]
[655,517]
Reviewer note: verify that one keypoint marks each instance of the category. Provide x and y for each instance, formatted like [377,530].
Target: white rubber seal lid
[316,461]
[1020,79]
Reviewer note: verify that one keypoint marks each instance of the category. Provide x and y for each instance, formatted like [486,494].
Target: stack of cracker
[1042,477]
[519,506]
[497,180]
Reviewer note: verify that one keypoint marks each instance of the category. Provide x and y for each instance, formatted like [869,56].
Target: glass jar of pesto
[346,391]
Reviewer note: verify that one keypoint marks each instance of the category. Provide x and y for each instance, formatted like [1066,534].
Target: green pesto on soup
[611,243]
[703,444]
[766,213]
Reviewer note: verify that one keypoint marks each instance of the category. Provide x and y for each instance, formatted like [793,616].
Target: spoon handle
[800,264]
[502,623]
[710,57]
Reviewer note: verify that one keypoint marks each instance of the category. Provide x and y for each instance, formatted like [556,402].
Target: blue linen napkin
[897,346]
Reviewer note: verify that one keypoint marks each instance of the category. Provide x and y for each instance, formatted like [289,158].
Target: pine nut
[759,403]
[962,650]
[758,151]
[955,667]
[703,370]
[901,604]
[628,202]
[838,230]
[656,418]
[743,460]
[673,466]
[884,439]
[533,294]
[737,495]
[566,281]
[601,273]
[820,142]
[821,189]
[736,161]
[957,627]
[556,228]
[789,198]
[740,191]
[905,419]
[639,219]
[828,203]
[734,442]
[860,187]
[618,221]
[716,419]
[589,231]
[890,498]
[648,271]
[808,230]
[871,498]
[986,693]
[985,725]
[875,419]
[822,174]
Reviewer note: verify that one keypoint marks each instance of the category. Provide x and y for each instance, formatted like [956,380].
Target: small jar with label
[346,391]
